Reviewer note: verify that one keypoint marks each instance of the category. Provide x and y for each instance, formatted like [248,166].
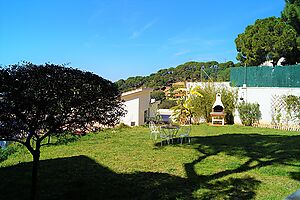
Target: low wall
[264,96]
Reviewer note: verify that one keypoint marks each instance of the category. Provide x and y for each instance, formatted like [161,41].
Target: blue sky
[121,38]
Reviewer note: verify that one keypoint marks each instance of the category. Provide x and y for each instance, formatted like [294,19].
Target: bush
[158,95]
[6,152]
[249,113]
[167,104]
[121,126]
[66,138]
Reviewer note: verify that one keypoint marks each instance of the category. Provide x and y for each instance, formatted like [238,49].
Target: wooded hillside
[189,71]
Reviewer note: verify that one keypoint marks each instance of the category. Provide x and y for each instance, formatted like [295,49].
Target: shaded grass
[231,162]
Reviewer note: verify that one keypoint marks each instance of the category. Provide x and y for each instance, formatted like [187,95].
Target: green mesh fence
[265,76]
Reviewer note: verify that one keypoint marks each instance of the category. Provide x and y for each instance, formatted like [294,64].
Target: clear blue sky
[120,38]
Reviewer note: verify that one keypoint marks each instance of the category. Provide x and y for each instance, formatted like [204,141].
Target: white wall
[263,96]
[190,85]
[132,115]
[136,103]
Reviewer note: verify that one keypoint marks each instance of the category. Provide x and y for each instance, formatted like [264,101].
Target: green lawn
[231,162]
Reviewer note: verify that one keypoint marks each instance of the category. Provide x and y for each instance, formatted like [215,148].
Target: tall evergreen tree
[291,14]
[268,39]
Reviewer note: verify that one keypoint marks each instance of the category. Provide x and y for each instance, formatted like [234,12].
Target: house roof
[136,91]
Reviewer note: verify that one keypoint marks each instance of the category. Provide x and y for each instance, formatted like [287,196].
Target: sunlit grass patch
[230,162]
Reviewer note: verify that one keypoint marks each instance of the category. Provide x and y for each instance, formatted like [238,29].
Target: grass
[230,162]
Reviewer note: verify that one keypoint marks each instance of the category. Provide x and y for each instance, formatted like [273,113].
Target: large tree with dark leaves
[267,39]
[40,100]
[291,14]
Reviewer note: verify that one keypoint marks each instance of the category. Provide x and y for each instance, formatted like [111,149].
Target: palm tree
[183,111]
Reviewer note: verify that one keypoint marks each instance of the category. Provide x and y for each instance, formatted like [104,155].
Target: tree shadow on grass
[82,178]
[295,176]
[259,150]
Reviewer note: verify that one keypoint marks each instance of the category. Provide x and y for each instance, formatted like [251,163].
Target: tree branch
[45,135]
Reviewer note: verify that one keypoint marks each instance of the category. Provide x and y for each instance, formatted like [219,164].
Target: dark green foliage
[267,39]
[66,138]
[158,95]
[291,14]
[40,100]
[167,104]
[249,113]
[5,152]
[130,83]
[190,71]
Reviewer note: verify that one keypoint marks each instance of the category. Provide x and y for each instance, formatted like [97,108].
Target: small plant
[249,113]
[292,106]
[286,110]
[122,125]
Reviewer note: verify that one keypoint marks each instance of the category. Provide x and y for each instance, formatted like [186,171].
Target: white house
[137,105]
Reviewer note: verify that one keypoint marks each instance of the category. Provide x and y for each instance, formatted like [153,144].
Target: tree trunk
[36,159]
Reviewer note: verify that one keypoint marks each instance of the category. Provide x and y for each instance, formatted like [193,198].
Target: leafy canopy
[291,14]
[267,39]
[39,100]
[42,99]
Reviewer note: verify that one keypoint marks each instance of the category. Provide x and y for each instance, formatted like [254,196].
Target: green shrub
[122,126]
[66,138]
[6,152]
[157,95]
[167,104]
[249,113]
[292,106]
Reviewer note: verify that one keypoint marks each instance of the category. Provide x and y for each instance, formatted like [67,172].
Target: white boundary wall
[190,85]
[263,96]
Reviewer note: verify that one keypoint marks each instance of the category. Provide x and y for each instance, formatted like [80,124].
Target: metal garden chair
[185,133]
[154,130]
